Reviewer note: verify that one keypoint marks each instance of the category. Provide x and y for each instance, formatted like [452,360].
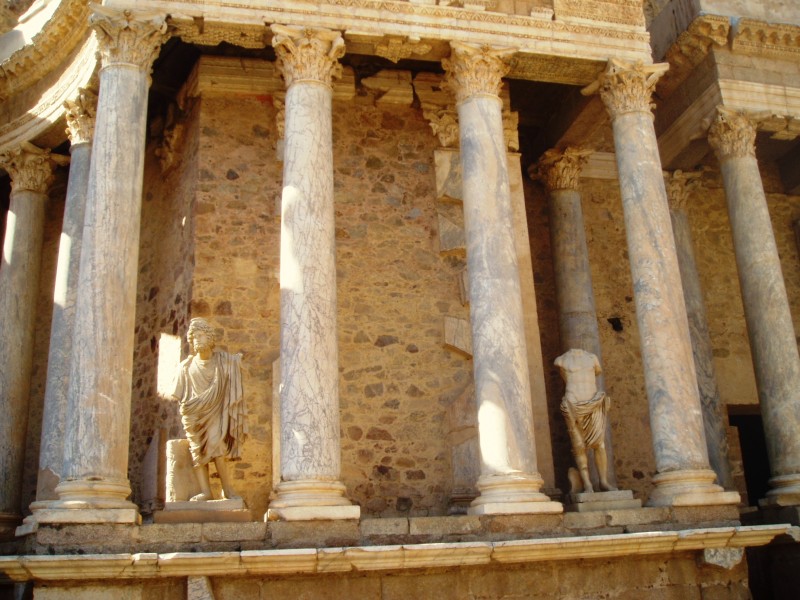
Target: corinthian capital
[560,170]
[473,69]
[80,113]
[125,37]
[732,134]
[308,54]
[680,185]
[30,167]
[626,87]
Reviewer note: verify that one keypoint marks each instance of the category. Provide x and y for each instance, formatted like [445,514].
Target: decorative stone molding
[308,54]
[782,127]
[732,134]
[470,4]
[80,113]
[628,12]
[396,48]
[680,185]
[560,170]
[41,55]
[444,123]
[126,37]
[626,87]
[691,47]
[30,167]
[197,31]
[757,38]
[473,69]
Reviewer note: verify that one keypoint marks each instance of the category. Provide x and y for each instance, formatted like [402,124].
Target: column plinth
[509,480]
[684,475]
[310,486]
[766,306]
[577,316]
[679,185]
[94,486]
[31,171]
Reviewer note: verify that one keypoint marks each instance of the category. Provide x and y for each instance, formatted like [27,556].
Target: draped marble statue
[209,390]
[585,408]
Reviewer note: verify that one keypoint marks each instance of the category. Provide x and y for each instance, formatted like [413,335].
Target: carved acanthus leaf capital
[444,124]
[626,87]
[732,134]
[560,170]
[308,54]
[680,185]
[473,69]
[127,37]
[80,113]
[30,167]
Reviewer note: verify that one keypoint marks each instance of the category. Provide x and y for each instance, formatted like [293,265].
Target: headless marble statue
[209,389]
[585,408]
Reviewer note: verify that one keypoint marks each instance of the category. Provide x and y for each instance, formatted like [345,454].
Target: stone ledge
[377,558]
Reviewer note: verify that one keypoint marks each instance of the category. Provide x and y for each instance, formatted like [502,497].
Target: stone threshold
[306,561]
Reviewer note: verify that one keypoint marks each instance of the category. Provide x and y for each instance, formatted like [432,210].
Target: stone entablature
[758,38]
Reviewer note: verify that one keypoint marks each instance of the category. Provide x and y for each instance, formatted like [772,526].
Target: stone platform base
[210,511]
[118,516]
[313,513]
[516,508]
[591,501]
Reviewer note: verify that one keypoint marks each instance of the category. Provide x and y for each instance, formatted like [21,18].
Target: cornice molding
[758,38]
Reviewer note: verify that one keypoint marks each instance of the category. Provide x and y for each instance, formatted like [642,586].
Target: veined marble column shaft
[509,480]
[577,316]
[766,307]
[97,428]
[310,486]
[684,476]
[31,171]
[80,114]
[678,189]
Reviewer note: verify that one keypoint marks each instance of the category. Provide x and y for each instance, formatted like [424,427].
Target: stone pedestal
[31,170]
[766,307]
[684,476]
[679,186]
[309,397]
[509,481]
[80,122]
[94,486]
[594,501]
[577,316]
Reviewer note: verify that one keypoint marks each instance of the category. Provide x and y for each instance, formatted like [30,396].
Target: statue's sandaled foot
[201,497]
[607,487]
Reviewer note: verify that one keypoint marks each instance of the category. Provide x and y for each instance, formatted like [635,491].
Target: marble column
[509,480]
[94,485]
[766,307]
[679,186]
[684,476]
[31,171]
[577,316]
[80,114]
[310,486]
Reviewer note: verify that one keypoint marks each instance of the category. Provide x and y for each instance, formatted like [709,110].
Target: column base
[513,493]
[311,500]
[689,487]
[785,491]
[89,501]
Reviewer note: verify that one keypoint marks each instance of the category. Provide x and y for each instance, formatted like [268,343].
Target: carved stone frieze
[197,31]
[444,124]
[627,12]
[560,170]
[473,69]
[626,87]
[396,48]
[680,185]
[126,37]
[308,54]
[732,134]
[470,4]
[30,167]
[691,47]
[757,38]
[80,113]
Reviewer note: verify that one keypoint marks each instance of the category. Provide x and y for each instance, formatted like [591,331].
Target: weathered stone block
[222,532]
[169,533]
[313,534]
[443,526]
[371,527]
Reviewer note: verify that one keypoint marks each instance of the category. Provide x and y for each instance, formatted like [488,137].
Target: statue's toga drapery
[212,406]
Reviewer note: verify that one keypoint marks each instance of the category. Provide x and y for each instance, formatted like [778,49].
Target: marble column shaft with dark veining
[31,172]
[766,306]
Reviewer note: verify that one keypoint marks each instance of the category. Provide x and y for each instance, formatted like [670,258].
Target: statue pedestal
[591,501]
[208,511]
